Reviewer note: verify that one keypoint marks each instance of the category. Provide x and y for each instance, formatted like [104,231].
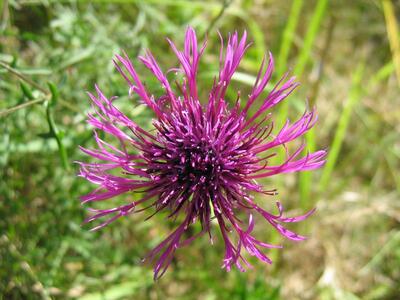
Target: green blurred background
[346,55]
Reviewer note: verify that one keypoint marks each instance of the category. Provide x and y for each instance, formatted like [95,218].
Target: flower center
[196,165]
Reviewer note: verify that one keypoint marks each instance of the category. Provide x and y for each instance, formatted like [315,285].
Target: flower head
[202,161]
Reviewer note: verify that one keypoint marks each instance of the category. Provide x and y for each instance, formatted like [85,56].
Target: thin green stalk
[354,97]
[305,52]
[390,245]
[383,73]
[287,41]
[225,5]
[10,110]
[284,51]
[53,130]
[391,159]
[5,16]
[303,59]
[288,35]
[393,34]
[305,178]
[311,34]
[57,136]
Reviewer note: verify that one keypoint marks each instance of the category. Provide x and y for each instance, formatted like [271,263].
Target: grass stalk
[305,178]
[288,35]
[283,56]
[354,97]
[393,34]
[287,41]
[305,52]
[10,110]
[311,34]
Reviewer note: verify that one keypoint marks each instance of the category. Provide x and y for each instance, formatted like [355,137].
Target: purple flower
[203,158]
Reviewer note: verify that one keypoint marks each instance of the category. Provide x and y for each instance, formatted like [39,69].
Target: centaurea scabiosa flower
[202,161]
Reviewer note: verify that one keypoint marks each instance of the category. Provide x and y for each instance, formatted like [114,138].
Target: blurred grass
[393,34]
[352,252]
[305,178]
[288,36]
[342,127]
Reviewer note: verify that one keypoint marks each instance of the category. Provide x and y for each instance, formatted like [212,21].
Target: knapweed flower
[202,160]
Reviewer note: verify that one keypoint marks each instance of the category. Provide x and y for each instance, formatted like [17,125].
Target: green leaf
[26,90]
[54,93]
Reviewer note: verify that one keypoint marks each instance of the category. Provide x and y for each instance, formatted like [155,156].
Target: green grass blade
[303,59]
[393,34]
[288,35]
[354,97]
[311,34]
[305,52]
[284,51]
[305,178]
